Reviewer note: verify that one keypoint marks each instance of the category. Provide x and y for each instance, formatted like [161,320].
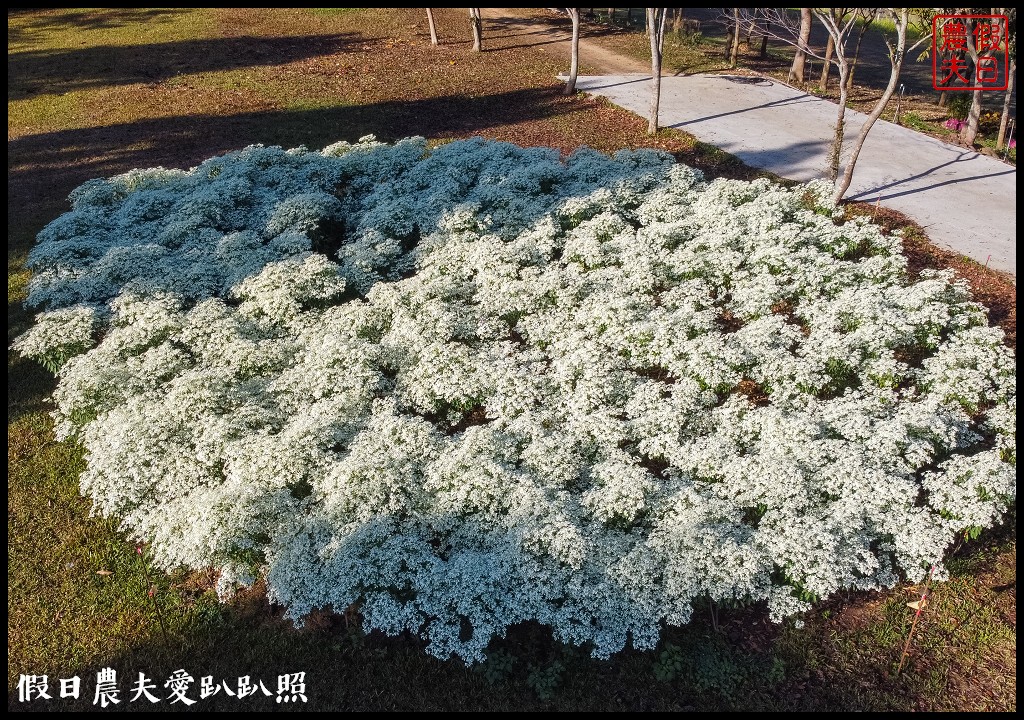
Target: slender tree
[897,53]
[1011,13]
[734,49]
[868,16]
[656,31]
[574,63]
[826,66]
[796,72]
[433,28]
[969,132]
[1007,99]
[839,26]
[478,28]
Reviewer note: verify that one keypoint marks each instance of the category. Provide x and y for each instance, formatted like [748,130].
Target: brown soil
[552,34]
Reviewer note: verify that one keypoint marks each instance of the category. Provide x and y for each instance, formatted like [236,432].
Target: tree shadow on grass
[94,19]
[59,71]
[98,19]
[44,168]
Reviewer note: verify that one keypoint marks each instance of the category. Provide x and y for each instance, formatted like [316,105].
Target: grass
[914,121]
[885,23]
[94,93]
[681,54]
[964,626]
[46,32]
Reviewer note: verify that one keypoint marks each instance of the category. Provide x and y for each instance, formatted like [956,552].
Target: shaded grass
[353,73]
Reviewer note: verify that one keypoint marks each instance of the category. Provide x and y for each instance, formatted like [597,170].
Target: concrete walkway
[965,201]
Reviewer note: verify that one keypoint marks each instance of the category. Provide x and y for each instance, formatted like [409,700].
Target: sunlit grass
[71,28]
[43,113]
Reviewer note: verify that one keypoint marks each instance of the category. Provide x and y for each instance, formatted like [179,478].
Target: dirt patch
[551,32]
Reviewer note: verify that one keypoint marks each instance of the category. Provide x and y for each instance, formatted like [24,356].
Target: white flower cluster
[59,335]
[589,393]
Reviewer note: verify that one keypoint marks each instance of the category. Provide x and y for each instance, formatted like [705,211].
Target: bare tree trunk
[969,132]
[827,66]
[764,41]
[478,28]
[656,31]
[796,72]
[611,15]
[896,56]
[1004,120]
[836,153]
[940,61]
[574,64]
[433,28]
[734,51]
[677,21]
[838,26]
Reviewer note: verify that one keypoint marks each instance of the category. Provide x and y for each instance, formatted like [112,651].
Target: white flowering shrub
[477,386]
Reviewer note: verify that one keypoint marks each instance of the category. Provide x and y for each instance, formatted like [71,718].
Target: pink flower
[953,124]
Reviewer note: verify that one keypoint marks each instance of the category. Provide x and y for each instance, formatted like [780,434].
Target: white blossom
[480,385]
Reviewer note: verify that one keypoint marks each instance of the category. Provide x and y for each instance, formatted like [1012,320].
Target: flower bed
[475,386]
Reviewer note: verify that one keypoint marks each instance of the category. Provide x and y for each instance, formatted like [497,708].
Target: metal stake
[913,626]
[896,115]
